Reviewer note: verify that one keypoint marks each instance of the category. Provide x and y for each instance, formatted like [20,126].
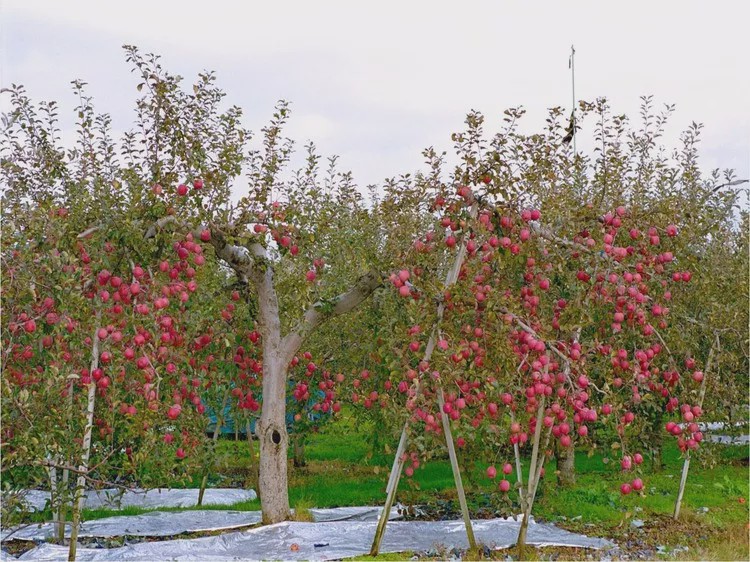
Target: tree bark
[566,465]
[521,540]
[274,444]
[271,427]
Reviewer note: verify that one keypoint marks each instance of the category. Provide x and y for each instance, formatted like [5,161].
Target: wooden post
[683,481]
[686,463]
[456,471]
[534,473]
[392,484]
[398,463]
[519,470]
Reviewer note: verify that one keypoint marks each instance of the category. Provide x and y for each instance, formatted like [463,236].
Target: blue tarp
[227,427]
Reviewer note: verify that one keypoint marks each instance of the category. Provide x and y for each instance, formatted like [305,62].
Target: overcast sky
[376,82]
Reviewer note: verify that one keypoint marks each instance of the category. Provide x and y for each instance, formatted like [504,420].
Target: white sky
[376,82]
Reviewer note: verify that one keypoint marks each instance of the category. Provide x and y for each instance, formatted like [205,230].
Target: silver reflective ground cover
[728,439]
[711,427]
[166,524]
[159,497]
[326,541]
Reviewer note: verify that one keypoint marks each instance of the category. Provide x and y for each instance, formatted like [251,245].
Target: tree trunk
[84,466]
[299,450]
[566,465]
[55,501]
[62,510]
[522,532]
[274,442]
[253,262]
[81,483]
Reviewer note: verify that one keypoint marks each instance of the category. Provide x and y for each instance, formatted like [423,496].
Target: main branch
[321,311]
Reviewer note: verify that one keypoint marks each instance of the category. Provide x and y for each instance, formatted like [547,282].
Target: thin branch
[729,184]
[89,231]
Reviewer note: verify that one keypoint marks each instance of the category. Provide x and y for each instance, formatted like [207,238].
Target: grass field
[339,472]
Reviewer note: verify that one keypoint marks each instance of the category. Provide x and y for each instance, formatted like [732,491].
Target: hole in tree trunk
[276,437]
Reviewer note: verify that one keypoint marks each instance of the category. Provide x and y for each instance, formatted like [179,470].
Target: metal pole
[573,82]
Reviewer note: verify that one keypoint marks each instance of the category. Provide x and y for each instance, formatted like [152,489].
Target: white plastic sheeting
[728,439]
[166,524]
[710,428]
[326,541]
[160,497]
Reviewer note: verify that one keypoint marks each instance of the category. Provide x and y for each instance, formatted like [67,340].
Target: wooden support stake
[456,471]
[535,470]
[519,471]
[686,463]
[398,463]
